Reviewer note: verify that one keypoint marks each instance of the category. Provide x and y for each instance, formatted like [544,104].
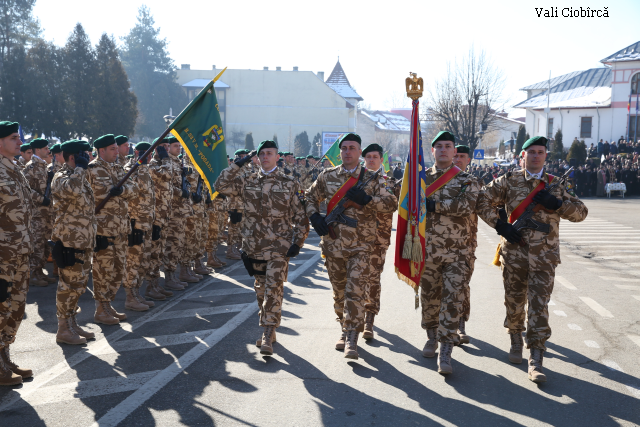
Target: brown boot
[170,281]
[114,313]
[7,377]
[341,341]
[351,345]
[462,333]
[444,361]
[273,339]
[267,344]
[6,358]
[200,268]
[103,314]
[185,276]
[153,292]
[192,273]
[218,260]
[431,346]
[232,253]
[141,299]
[86,334]
[38,281]
[211,261]
[535,366]
[132,303]
[368,325]
[515,352]
[66,334]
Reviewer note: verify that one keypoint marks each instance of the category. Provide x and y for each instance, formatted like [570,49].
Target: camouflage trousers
[12,309]
[234,234]
[466,304]
[138,262]
[522,286]
[349,281]
[38,258]
[109,267]
[203,225]
[378,256]
[193,235]
[442,296]
[175,243]
[72,284]
[214,231]
[156,253]
[270,289]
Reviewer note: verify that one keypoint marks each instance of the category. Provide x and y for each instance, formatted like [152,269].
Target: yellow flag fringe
[496,258]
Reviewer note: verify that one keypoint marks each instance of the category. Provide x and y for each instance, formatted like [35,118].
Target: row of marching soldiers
[160,218]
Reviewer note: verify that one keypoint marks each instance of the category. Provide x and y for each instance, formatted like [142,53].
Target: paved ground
[192,360]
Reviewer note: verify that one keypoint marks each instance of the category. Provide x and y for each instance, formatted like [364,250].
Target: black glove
[82,160]
[162,152]
[144,160]
[507,231]
[196,198]
[46,201]
[359,196]
[548,200]
[318,223]
[235,216]
[287,171]
[246,159]
[502,214]
[4,288]
[185,194]
[293,251]
[431,205]
[116,191]
[222,196]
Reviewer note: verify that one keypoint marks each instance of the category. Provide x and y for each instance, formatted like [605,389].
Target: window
[585,127]
[635,81]
[550,129]
[633,128]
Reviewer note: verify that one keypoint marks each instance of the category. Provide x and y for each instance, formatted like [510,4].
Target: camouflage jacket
[162,173]
[364,236]
[15,213]
[74,206]
[36,173]
[542,251]
[113,219]
[236,203]
[385,219]
[180,206]
[273,215]
[198,208]
[472,223]
[142,207]
[447,227]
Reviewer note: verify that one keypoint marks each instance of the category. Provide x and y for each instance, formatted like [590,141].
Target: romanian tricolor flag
[410,231]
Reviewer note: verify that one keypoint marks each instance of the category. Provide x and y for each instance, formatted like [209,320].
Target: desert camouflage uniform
[274,220]
[472,235]
[195,227]
[162,173]
[75,226]
[348,256]
[36,173]
[109,264]
[216,209]
[142,210]
[15,246]
[528,271]
[181,209]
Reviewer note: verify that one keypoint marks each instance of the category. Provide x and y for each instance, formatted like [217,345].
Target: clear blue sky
[378,42]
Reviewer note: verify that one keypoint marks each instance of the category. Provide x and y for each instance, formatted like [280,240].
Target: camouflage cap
[8,128]
[104,141]
[121,139]
[39,143]
[444,135]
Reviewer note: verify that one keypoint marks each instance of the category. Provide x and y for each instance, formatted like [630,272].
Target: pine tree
[275,138]
[558,147]
[14,87]
[578,151]
[316,146]
[520,139]
[248,141]
[18,27]
[115,105]
[301,144]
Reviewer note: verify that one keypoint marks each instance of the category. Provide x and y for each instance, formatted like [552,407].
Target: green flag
[385,163]
[199,130]
[333,154]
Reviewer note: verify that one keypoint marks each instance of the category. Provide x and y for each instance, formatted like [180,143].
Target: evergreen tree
[18,27]
[114,103]
[14,88]
[275,138]
[578,151]
[520,139]
[526,137]
[152,75]
[557,150]
[301,144]
[316,146]
[248,141]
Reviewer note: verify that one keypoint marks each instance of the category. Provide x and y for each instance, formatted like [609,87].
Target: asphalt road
[192,360]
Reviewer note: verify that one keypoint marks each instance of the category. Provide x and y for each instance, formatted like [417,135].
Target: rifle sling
[522,206]
[342,191]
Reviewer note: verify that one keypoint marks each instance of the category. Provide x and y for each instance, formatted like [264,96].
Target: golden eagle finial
[414,85]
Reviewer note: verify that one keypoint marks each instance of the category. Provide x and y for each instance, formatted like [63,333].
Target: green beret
[349,137]
[372,148]
[239,152]
[25,147]
[444,135]
[8,128]
[310,157]
[536,140]
[55,148]
[121,139]
[39,143]
[104,141]
[280,153]
[171,139]
[462,149]
[74,146]
[142,146]
[267,143]
[128,156]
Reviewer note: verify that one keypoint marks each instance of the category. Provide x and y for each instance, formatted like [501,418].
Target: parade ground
[192,359]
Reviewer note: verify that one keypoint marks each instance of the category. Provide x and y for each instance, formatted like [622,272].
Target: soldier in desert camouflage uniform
[123,150]
[74,230]
[235,217]
[446,260]
[274,218]
[529,257]
[194,229]
[109,260]
[52,169]
[25,155]
[348,255]
[217,211]
[15,226]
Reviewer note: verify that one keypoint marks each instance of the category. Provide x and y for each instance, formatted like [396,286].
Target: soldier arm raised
[230,181]
[70,188]
[315,195]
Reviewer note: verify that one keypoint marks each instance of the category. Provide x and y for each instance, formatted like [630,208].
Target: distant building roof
[200,83]
[554,81]
[629,53]
[340,84]
[386,120]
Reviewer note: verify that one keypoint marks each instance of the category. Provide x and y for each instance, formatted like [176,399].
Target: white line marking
[637,297]
[564,282]
[612,365]
[628,287]
[596,307]
[574,327]
[635,339]
[560,313]
[618,279]
[203,311]
[220,292]
[592,344]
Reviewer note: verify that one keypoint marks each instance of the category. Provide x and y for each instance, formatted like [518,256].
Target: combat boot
[218,260]
[114,313]
[7,376]
[267,344]
[341,341]
[273,339]
[192,273]
[38,281]
[140,298]
[6,358]
[86,334]
[66,334]
[132,303]
[212,262]
[535,366]
[153,292]
[515,352]
[232,253]
[200,268]
[351,345]
[444,360]
[185,276]
[431,346]
[464,338]
[103,314]
[368,325]
[170,281]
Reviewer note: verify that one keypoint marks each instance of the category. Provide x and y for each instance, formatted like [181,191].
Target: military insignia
[464,186]
[213,137]
[570,190]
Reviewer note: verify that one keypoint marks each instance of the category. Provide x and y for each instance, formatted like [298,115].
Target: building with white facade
[590,104]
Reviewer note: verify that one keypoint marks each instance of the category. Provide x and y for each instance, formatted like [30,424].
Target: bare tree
[466,99]
[397,99]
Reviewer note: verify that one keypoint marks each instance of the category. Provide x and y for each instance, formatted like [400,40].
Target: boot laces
[461,326]
[7,358]
[536,357]
[432,334]
[516,341]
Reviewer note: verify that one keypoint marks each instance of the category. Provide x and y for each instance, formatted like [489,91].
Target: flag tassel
[416,251]
[407,249]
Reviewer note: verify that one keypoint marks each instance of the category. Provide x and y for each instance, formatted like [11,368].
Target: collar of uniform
[355,173]
[433,170]
[37,159]
[7,162]
[529,176]
[102,162]
[262,173]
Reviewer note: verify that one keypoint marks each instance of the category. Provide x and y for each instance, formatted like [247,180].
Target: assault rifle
[47,191]
[337,214]
[526,219]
